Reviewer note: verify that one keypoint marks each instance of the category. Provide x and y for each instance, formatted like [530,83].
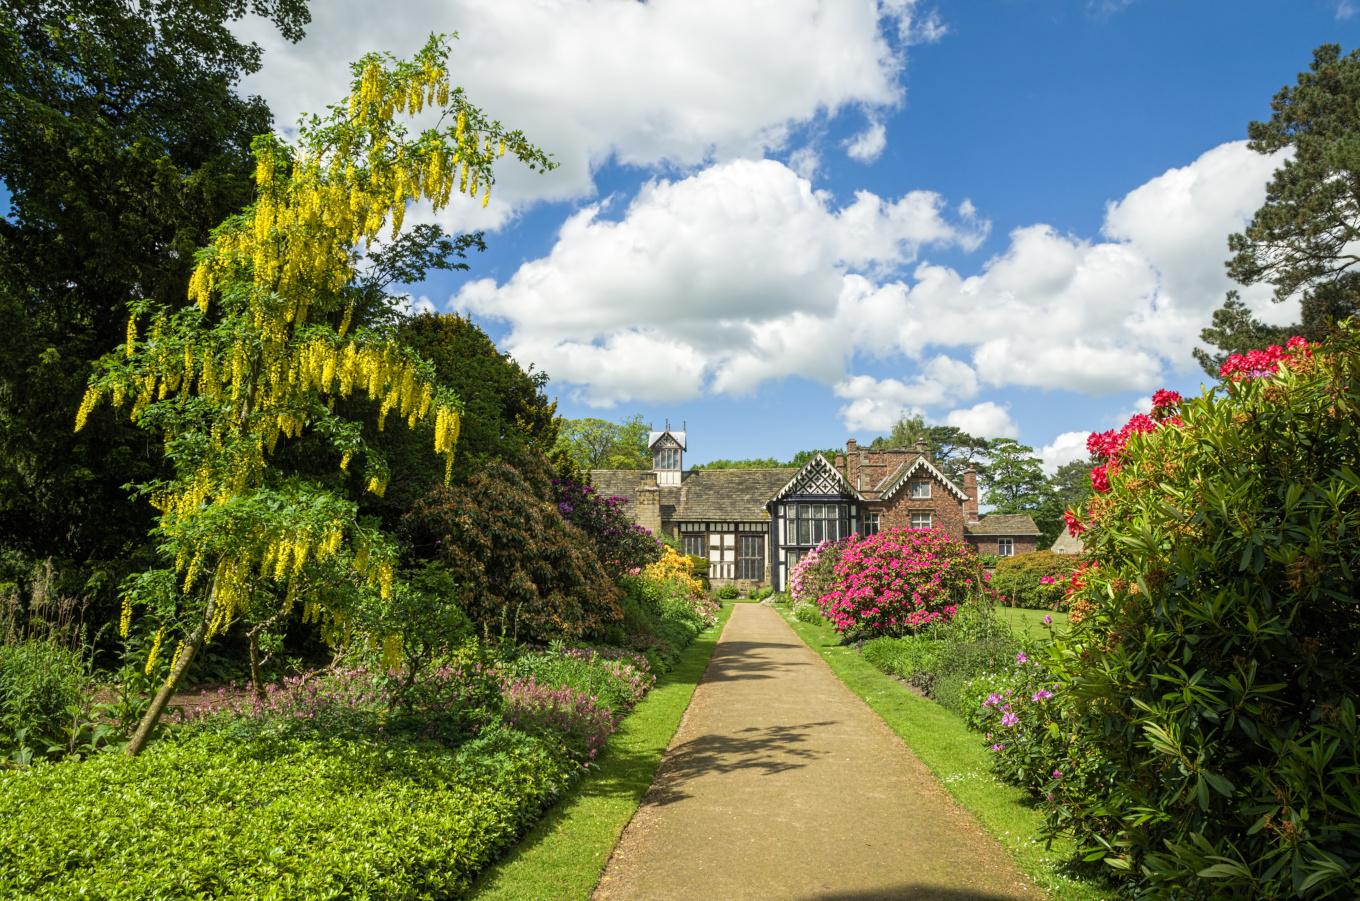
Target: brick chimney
[970,506]
[852,462]
[840,463]
[921,448]
[647,510]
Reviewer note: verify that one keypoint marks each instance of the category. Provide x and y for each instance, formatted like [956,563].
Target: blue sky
[785,224]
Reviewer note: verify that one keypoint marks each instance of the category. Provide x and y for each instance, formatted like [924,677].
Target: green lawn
[1021,620]
[563,855]
[959,759]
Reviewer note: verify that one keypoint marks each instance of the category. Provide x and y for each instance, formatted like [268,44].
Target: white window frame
[870,524]
[1005,547]
[916,520]
[920,489]
[666,458]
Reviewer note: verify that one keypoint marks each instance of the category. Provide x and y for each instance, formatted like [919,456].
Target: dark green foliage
[39,680]
[1236,331]
[1300,239]
[505,413]
[1017,579]
[729,593]
[272,819]
[523,573]
[1212,670]
[122,143]
[949,448]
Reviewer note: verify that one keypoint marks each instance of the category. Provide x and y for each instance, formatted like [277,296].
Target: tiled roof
[1003,524]
[889,486]
[718,495]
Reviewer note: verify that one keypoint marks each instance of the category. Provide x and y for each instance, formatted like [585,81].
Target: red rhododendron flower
[1074,525]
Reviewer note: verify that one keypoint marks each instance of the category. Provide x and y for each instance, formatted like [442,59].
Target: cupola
[668,452]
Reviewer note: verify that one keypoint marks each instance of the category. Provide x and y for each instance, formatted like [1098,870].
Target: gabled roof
[1003,524]
[654,437]
[1067,543]
[817,477]
[703,495]
[888,487]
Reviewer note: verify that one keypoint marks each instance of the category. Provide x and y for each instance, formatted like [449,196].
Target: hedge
[271,819]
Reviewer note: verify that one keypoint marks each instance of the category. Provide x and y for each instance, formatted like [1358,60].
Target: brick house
[754,525]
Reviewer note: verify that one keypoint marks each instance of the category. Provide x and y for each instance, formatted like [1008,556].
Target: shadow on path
[771,750]
[907,892]
[735,660]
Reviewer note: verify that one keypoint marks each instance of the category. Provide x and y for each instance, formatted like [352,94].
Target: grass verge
[561,858]
[958,758]
[1032,621]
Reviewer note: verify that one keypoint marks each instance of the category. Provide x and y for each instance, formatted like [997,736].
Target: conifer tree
[266,348]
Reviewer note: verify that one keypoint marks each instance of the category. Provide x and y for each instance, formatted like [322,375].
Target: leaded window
[815,523]
[750,557]
[666,458]
[920,489]
[1005,547]
[920,520]
[692,545]
[871,524]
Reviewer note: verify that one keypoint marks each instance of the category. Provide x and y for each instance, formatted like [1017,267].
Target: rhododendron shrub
[1208,684]
[621,544]
[816,571]
[900,580]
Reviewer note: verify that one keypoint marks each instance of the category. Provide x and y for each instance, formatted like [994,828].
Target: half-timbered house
[754,525]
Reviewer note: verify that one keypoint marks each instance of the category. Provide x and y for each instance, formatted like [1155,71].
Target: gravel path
[782,784]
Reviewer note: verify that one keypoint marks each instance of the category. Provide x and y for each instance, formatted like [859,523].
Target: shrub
[1213,665]
[273,818]
[761,594]
[525,573]
[574,718]
[1036,581]
[621,544]
[618,678]
[729,593]
[808,613]
[899,581]
[44,664]
[452,701]
[815,573]
[912,658]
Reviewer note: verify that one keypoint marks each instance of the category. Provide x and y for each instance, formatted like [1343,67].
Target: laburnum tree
[266,349]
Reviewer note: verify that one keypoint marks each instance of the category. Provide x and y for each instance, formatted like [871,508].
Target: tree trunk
[153,713]
[256,677]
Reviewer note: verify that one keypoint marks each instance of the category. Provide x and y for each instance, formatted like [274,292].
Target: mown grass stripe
[562,857]
[959,759]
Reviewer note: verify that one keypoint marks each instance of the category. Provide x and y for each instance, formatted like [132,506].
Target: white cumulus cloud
[734,275]
[666,82]
[984,420]
[1064,449]
[742,273]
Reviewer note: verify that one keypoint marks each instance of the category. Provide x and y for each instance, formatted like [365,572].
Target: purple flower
[1057,774]
[1048,620]
[1010,719]
[1021,658]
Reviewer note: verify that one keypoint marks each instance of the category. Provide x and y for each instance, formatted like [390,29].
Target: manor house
[753,525]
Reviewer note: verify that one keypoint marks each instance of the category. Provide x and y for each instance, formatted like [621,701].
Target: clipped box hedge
[271,819]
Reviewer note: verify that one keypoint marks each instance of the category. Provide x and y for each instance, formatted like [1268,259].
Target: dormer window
[668,455]
[666,458]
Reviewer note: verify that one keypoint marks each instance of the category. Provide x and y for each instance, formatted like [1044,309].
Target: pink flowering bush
[616,677]
[816,571]
[898,581]
[576,719]
[449,703]
[1202,739]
